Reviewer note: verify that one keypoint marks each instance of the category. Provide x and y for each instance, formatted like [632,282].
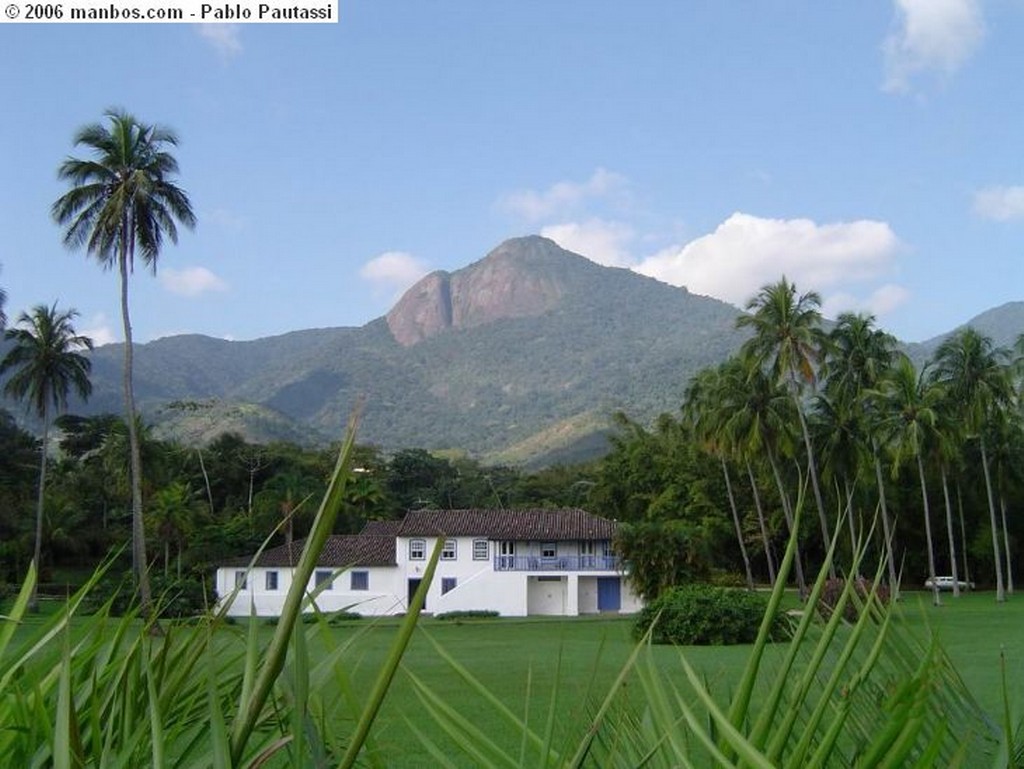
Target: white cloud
[999,203]
[223,37]
[600,241]
[98,329]
[191,281]
[879,302]
[930,35]
[393,271]
[746,252]
[562,198]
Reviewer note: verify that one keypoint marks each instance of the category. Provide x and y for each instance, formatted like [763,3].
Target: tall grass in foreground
[838,694]
[102,691]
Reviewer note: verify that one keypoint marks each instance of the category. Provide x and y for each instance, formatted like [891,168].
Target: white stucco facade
[558,572]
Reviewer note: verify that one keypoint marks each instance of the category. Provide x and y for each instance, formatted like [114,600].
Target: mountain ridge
[521,356]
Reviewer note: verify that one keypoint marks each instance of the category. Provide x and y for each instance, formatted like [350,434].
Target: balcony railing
[557,563]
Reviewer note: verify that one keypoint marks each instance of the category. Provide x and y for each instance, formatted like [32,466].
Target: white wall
[631,602]
[380,597]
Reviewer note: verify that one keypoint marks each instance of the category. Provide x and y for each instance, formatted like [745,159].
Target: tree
[706,412]
[760,417]
[172,513]
[47,364]
[973,373]
[124,200]
[859,356]
[17,483]
[660,555]
[789,342]
[909,423]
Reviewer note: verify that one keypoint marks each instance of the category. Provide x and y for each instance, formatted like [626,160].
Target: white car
[946,583]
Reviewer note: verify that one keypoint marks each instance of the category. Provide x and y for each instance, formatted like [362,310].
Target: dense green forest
[223,500]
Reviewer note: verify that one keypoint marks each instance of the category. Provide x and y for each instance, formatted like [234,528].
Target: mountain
[521,357]
[1001,324]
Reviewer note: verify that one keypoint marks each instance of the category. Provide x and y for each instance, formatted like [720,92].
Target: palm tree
[47,363]
[973,372]
[123,199]
[946,447]
[171,516]
[859,356]
[703,410]
[909,422]
[760,414]
[788,342]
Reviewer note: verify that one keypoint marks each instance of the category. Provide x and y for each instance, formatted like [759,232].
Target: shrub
[704,615]
[172,597]
[833,589]
[468,614]
[722,578]
[336,618]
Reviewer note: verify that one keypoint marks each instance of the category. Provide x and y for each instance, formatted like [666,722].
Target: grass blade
[387,673]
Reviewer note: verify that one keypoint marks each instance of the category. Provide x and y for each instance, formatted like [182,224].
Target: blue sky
[872,151]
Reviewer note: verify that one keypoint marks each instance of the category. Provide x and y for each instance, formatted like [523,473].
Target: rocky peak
[517,279]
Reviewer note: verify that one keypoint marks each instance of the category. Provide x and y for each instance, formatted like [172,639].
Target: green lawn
[525,663]
[974,629]
[519,661]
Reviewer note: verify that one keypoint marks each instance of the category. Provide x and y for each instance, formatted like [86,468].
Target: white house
[515,562]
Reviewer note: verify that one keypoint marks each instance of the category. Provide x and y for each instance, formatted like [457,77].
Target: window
[417,549]
[448,552]
[271,583]
[480,549]
[360,580]
[240,581]
[323,577]
[448,584]
[548,550]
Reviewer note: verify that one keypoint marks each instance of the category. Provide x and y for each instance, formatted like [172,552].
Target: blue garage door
[609,596]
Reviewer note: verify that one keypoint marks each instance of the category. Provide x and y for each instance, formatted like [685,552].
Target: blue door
[609,596]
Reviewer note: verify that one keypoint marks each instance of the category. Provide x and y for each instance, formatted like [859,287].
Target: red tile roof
[382,528]
[534,524]
[360,550]
[375,544]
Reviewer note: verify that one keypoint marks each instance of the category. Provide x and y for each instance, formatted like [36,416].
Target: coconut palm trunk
[787,511]
[765,540]
[996,557]
[936,598]
[949,531]
[139,564]
[886,524]
[37,556]
[736,523]
[963,535]
[826,536]
[849,517]
[1006,547]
